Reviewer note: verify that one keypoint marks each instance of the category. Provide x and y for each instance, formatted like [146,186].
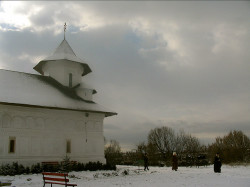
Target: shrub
[93,166]
[18,169]
[66,165]
[27,170]
[36,168]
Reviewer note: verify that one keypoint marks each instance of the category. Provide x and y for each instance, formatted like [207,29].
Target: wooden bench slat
[54,183]
[55,174]
[60,183]
[56,179]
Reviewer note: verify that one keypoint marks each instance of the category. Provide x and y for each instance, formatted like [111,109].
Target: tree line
[233,147]
[163,141]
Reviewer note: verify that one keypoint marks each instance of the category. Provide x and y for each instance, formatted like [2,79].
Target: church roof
[26,89]
[63,52]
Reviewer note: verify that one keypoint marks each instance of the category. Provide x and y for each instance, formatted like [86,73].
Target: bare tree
[113,152]
[142,148]
[163,139]
[233,147]
[181,142]
[188,147]
[192,144]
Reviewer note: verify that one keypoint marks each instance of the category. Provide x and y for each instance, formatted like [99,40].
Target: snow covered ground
[238,176]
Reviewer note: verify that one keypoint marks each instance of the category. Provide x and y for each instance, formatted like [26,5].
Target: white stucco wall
[85,93]
[61,69]
[41,135]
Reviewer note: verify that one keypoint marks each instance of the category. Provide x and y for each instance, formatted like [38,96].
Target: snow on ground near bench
[157,176]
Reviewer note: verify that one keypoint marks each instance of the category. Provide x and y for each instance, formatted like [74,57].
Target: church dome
[63,53]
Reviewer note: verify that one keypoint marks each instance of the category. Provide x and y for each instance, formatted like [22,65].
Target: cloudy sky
[185,65]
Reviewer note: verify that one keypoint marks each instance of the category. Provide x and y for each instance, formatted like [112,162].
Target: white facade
[42,135]
[85,93]
[62,70]
[46,117]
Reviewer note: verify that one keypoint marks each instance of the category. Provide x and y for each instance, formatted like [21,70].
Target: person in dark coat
[217,163]
[175,162]
[146,162]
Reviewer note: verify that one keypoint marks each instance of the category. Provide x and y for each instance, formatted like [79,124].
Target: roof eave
[107,114]
[38,67]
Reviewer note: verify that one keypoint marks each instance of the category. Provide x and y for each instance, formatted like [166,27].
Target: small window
[12,144]
[68,146]
[70,80]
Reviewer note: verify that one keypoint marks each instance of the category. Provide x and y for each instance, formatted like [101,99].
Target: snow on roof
[41,91]
[63,52]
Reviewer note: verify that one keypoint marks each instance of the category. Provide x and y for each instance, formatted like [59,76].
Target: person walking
[217,163]
[175,161]
[145,162]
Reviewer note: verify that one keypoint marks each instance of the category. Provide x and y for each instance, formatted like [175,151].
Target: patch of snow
[156,176]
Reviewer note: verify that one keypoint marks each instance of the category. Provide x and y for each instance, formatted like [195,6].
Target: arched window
[12,144]
[68,146]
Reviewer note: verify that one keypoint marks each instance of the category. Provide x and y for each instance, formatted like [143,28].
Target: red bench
[56,178]
[50,164]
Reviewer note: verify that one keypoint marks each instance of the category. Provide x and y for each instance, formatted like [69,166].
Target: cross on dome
[65,26]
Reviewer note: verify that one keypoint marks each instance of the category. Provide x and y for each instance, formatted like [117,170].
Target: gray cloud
[180,64]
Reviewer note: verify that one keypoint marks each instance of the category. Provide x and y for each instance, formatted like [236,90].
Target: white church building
[45,117]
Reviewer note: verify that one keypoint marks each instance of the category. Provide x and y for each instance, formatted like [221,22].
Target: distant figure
[217,163]
[175,162]
[146,162]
